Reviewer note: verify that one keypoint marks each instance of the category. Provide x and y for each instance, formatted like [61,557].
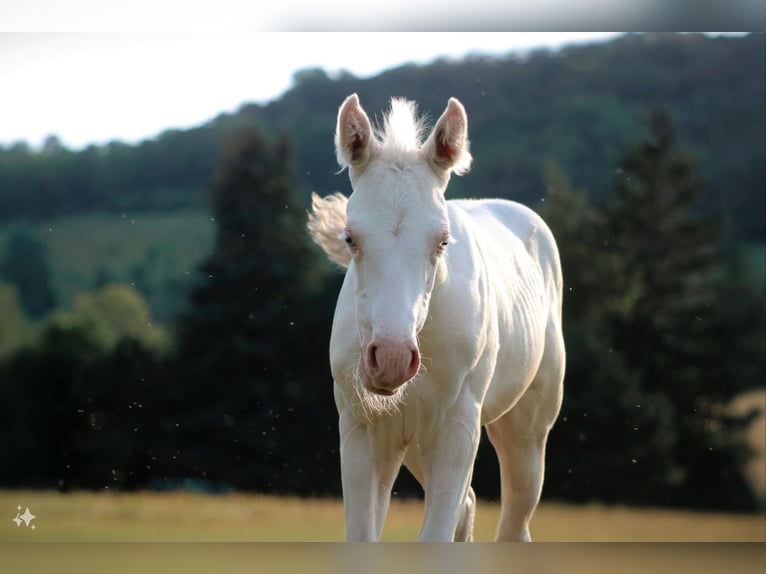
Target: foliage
[254,378]
[664,312]
[156,252]
[741,294]
[25,266]
[73,400]
[109,315]
[647,372]
[15,328]
[578,106]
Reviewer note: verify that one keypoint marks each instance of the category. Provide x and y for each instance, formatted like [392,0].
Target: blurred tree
[608,421]
[645,383]
[15,328]
[240,408]
[670,259]
[25,265]
[112,313]
[110,425]
[571,216]
[84,403]
[578,105]
[741,297]
[254,374]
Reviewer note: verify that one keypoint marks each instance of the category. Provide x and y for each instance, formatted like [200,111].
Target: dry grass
[155,517]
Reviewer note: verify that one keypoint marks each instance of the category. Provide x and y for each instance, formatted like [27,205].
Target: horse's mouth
[384,392]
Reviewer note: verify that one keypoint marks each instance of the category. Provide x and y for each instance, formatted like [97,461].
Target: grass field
[155,517]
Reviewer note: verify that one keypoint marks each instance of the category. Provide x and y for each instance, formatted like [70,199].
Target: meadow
[239,517]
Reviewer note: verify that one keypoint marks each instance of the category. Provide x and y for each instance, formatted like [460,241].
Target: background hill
[578,107]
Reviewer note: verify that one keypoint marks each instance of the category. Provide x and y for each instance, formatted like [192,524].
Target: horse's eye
[442,245]
[349,241]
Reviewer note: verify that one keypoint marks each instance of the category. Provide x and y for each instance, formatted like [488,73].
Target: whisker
[372,405]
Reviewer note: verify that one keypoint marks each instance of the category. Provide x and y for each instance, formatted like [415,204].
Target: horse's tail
[327,219]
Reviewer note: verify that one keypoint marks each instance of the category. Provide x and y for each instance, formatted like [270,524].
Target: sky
[95,87]
[93,71]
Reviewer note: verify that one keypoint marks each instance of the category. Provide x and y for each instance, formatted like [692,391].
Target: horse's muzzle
[388,364]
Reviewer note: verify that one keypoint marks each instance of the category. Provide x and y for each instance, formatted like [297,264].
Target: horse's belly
[518,360]
[502,395]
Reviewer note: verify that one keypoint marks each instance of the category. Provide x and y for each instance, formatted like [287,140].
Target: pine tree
[649,367]
[607,422]
[585,264]
[25,265]
[668,327]
[253,348]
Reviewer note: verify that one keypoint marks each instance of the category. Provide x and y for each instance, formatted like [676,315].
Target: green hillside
[578,107]
[155,252]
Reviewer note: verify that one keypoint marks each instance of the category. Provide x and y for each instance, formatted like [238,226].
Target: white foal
[449,318]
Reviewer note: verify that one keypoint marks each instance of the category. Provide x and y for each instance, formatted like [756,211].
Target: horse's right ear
[447,148]
[354,138]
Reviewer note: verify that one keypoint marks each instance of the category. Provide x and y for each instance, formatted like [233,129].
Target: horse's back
[498,219]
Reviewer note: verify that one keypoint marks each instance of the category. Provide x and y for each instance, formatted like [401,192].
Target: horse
[448,319]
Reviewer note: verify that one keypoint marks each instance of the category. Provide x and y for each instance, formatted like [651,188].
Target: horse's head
[396,229]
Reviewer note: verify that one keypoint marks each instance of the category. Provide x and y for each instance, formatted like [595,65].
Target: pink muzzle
[387,364]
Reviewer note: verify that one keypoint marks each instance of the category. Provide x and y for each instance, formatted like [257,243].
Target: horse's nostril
[372,359]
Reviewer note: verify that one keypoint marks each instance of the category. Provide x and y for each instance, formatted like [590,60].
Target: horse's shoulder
[494,218]
[514,216]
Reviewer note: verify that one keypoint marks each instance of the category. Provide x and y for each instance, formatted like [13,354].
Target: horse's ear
[354,138]
[447,146]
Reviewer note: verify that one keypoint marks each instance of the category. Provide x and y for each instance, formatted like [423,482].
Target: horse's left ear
[354,138]
[447,146]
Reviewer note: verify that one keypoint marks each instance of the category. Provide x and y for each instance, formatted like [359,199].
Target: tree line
[577,107]
[661,332]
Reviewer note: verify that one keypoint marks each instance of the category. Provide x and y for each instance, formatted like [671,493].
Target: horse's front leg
[370,461]
[448,450]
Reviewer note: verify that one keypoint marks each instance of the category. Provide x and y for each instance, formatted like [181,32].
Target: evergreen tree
[584,262]
[15,329]
[668,329]
[85,401]
[607,422]
[647,369]
[25,266]
[253,345]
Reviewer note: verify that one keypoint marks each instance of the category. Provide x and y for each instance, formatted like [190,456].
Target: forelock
[402,131]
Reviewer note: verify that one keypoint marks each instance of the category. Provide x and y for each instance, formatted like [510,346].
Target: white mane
[402,131]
